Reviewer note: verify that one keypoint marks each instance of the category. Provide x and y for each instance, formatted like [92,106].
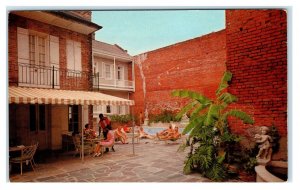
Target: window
[120,73]
[74,58]
[119,109]
[108,71]
[98,68]
[37,118]
[73,118]
[37,50]
[108,109]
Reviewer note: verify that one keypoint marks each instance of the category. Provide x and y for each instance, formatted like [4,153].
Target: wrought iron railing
[31,75]
[102,83]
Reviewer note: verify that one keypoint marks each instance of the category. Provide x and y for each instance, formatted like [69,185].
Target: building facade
[113,74]
[48,50]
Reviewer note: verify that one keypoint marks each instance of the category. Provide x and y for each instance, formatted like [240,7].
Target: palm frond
[212,115]
[227,98]
[187,169]
[192,124]
[239,114]
[224,82]
[198,109]
[192,95]
[186,108]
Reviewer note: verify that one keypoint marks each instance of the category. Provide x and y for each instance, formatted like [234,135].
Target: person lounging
[120,133]
[174,135]
[143,134]
[165,132]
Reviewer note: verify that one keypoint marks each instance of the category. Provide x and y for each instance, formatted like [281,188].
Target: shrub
[122,118]
[165,117]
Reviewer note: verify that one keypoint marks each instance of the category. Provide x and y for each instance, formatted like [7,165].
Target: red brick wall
[63,34]
[257,56]
[197,64]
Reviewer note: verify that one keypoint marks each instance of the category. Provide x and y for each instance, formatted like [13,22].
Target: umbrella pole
[82,141]
[133,124]
[82,148]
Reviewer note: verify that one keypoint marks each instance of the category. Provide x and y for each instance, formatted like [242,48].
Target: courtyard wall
[257,56]
[197,64]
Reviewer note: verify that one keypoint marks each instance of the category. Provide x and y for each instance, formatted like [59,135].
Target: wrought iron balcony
[30,75]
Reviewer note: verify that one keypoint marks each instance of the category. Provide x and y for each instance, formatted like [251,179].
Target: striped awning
[23,95]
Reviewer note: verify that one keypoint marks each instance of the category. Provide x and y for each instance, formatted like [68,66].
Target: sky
[142,31]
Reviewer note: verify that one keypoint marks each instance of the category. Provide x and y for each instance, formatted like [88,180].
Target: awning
[24,95]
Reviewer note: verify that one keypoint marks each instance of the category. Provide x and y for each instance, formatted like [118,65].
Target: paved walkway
[154,161]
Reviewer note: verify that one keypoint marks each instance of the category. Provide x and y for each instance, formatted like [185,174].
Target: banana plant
[206,112]
[208,129]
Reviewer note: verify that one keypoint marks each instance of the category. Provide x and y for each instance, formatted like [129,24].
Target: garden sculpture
[265,147]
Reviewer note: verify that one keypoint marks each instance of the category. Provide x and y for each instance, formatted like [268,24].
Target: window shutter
[54,51]
[54,59]
[23,45]
[77,53]
[70,55]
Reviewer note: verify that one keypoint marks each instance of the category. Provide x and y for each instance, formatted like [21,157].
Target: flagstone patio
[153,161]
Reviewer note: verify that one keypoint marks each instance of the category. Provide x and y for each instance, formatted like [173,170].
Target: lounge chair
[171,140]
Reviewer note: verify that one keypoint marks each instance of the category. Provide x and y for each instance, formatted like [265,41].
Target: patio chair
[88,146]
[177,140]
[27,154]
[37,146]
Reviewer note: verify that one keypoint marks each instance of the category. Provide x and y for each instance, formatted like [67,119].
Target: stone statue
[265,147]
[146,113]
[146,121]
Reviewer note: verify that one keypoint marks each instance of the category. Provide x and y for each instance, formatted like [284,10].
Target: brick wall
[81,83]
[257,56]
[197,64]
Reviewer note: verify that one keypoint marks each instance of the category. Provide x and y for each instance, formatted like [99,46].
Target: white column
[115,72]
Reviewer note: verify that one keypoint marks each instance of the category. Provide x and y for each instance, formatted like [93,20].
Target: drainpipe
[133,76]
[53,76]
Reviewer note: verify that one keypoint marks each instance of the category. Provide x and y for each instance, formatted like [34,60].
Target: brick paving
[154,161]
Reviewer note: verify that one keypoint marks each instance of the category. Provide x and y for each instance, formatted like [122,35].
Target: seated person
[171,136]
[126,128]
[89,133]
[143,134]
[165,132]
[108,142]
[120,133]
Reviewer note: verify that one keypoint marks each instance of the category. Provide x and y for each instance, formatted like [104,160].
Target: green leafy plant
[121,118]
[165,117]
[208,130]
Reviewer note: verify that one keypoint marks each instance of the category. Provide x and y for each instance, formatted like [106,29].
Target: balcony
[38,76]
[112,84]
[30,75]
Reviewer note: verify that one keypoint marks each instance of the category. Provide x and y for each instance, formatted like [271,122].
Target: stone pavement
[154,161]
